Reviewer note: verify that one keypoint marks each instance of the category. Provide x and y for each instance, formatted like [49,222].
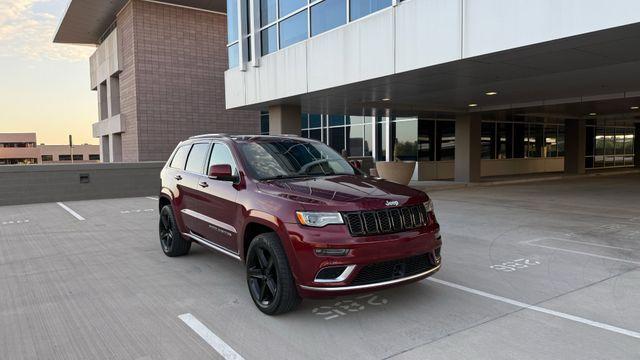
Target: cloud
[28,33]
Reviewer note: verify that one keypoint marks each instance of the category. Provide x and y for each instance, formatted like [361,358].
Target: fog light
[331,252]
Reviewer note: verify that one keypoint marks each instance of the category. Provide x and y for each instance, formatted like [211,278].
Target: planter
[396,171]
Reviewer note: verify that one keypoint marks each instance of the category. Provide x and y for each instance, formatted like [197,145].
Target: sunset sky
[44,87]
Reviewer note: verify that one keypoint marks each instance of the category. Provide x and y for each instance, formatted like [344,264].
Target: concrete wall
[50,183]
[417,34]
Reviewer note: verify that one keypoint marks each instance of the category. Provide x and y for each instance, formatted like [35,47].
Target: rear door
[174,176]
[219,201]
[192,215]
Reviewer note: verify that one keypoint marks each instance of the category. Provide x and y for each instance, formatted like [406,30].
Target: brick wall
[180,57]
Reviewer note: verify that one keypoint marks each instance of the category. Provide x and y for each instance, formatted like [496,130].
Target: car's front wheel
[172,242]
[269,277]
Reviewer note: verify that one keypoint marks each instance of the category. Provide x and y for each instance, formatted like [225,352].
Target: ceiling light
[634,108]
[386,99]
[473,105]
[491,93]
[592,114]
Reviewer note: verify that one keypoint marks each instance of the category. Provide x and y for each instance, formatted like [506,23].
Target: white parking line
[585,253]
[212,339]
[540,309]
[70,211]
[587,243]
[152,198]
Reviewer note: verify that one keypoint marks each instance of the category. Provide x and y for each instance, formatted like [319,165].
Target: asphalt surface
[530,271]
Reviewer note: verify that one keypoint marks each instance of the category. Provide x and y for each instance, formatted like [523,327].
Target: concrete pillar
[115,144]
[468,148]
[575,146]
[636,146]
[104,149]
[284,119]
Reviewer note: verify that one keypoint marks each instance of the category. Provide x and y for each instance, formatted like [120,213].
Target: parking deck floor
[530,271]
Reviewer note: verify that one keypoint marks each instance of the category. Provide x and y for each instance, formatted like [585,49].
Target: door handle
[178,177]
[203,184]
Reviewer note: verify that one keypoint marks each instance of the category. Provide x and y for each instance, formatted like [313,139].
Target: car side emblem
[392,203]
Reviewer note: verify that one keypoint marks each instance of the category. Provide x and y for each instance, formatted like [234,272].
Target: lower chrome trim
[210,245]
[368,286]
[345,274]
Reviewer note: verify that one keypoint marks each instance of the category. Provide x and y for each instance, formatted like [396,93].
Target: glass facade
[283,23]
[609,145]
[433,138]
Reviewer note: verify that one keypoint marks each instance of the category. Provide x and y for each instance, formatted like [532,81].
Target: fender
[166,193]
[279,227]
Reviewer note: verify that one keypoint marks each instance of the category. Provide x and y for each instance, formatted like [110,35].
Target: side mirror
[221,172]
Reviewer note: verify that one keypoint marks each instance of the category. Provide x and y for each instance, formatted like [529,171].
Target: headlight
[318,219]
[428,205]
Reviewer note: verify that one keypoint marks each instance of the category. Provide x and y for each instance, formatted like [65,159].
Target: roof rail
[203,136]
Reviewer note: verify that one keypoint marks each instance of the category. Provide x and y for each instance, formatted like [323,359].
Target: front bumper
[363,252]
[383,284]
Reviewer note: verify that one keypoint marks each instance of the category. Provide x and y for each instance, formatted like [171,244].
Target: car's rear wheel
[269,277]
[172,242]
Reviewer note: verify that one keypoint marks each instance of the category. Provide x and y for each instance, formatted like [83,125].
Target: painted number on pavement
[514,265]
[344,307]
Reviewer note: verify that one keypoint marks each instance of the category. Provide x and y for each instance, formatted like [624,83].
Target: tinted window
[232,20]
[268,40]
[267,11]
[293,29]
[327,15]
[180,158]
[360,8]
[198,154]
[222,155]
[288,6]
[234,55]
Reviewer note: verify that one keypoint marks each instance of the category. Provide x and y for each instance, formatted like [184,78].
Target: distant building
[18,148]
[22,149]
[158,71]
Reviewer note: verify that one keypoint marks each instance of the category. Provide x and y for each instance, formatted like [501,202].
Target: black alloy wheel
[172,242]
[262,276]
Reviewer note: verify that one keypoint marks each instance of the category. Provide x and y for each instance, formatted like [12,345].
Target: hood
[343,192]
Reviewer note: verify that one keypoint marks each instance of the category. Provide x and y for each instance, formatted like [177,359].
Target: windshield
[290,158]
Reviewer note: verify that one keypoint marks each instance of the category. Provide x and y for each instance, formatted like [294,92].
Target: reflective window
[550,141]
[197,155]
[293,29]
[505,140]
[368,136]
[336,120]
[360,8]
[327,15]
[315,121]
[336,139]
[405,140]
[269,40]
[267,12]
[445,140]
[289,6]
[180,158]
[355,140]
[234,55]
[232,21]
[426,140]
[381,139]
[221,155]
[264,123]
[488,140]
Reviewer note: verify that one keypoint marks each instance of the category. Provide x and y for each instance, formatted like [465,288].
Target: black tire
[171,241]
[274,267]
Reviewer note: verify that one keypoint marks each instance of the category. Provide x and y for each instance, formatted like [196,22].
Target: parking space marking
[344,307]
[70,211]
[152,198]
[136,211]
[559,314]
[212,339]
[17,222]
[530,243]
[593,244]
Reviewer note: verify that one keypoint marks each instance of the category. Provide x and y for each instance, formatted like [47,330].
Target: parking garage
[535,270]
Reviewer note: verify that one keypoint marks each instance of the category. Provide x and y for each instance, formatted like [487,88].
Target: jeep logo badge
[392,203]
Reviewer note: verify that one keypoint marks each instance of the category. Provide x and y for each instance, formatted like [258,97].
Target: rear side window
[198,154]
[180,158]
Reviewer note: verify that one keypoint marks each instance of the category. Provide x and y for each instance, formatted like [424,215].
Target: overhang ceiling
[86,20]
[586,69]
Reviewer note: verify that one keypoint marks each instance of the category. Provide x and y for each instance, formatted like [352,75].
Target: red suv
[302,219]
